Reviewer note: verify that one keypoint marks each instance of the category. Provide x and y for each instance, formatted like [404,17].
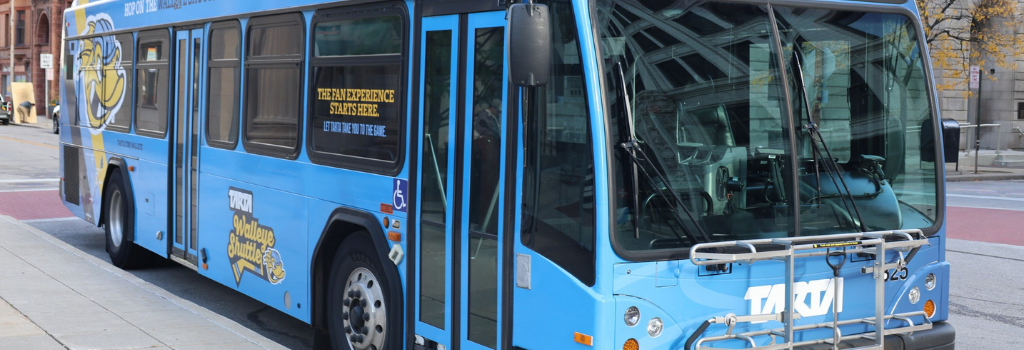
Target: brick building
[36,30]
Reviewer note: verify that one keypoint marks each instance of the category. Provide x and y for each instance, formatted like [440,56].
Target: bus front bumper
[942,336]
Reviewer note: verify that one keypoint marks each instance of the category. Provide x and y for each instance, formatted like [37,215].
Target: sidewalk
[985,173]
[1004,165]
[42,121]
[54,296]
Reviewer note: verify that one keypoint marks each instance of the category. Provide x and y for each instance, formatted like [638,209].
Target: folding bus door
[463,93]
[188,69]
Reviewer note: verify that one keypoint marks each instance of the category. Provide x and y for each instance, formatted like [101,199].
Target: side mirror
[529,44]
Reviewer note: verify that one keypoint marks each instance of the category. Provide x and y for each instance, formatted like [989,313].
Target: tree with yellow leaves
[964,32]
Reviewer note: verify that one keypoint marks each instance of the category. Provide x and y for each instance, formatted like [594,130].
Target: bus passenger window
[117,79]
[151,95]
[356,107]
[70,108]
[273,85]
[105,69]
[225,52]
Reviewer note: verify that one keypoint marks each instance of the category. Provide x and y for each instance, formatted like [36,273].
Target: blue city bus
[564,174]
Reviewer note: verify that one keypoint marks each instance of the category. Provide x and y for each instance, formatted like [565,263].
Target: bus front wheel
[358,294]
[119,225]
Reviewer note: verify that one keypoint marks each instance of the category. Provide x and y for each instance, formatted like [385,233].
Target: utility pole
[977,122]
[10,73]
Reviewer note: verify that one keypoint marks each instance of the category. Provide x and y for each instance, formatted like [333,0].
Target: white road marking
[17,181]
[984,197]
[40,189]
[70,218]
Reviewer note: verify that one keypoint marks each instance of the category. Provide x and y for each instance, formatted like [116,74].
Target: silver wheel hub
[363,311]
[116,221]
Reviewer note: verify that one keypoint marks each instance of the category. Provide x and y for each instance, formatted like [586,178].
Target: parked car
[56,119]
[6,112]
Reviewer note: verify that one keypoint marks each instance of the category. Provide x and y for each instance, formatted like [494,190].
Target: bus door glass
[463,95]
[188,69]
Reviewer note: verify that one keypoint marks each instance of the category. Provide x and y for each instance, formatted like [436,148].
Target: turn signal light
[929,308]
[583,339]
[631,344]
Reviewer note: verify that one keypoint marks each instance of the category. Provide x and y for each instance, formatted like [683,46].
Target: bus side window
[70,108]
[117,79]
[153,84]
[273,85]
[356,114]
[559,179]
[225,63]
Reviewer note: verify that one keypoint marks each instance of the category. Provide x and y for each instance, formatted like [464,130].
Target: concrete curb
[42,122]
[985,173]
[984,177]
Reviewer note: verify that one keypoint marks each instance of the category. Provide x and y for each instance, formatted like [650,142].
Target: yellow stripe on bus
[97,138]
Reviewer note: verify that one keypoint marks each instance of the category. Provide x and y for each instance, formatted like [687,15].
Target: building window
[273,85]
[1020,110]
[43,31]
[4,28]
[19,34]
[356,110]
[225,57]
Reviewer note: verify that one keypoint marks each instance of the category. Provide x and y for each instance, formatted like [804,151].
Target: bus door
[462,94]
[188,44]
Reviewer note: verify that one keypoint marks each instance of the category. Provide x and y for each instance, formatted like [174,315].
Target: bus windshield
[750,121]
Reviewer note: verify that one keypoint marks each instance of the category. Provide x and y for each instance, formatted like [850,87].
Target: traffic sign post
[46,62]
[975,77]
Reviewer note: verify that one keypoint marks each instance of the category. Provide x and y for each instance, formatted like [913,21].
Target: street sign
[45,60]
[975,76]
[49,73]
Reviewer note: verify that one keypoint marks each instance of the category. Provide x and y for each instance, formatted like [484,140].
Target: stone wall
[1002,89]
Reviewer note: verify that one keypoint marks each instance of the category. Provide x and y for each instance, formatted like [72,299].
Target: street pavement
[54,296]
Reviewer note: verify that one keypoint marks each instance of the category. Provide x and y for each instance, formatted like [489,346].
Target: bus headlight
[929,281]
[654,327]
[914,295]
[632,316]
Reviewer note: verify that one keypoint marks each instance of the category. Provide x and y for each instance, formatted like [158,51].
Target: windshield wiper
[830,164]
[632,146]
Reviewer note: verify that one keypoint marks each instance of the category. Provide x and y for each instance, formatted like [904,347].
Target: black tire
[7,121]
[119,225]
[358,286]
[56,125]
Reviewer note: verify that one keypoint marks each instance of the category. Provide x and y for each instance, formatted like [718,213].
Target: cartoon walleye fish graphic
[273,266]
[102,81]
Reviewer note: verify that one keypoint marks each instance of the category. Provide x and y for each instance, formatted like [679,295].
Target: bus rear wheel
[119,225]
[358,294]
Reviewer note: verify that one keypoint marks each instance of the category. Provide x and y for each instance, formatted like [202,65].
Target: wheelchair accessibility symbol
[400,196]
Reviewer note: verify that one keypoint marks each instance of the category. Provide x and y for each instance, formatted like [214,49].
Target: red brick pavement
[33,205]
[974,224]
[986,225]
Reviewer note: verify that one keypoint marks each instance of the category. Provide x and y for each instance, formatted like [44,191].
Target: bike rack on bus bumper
[875,244]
